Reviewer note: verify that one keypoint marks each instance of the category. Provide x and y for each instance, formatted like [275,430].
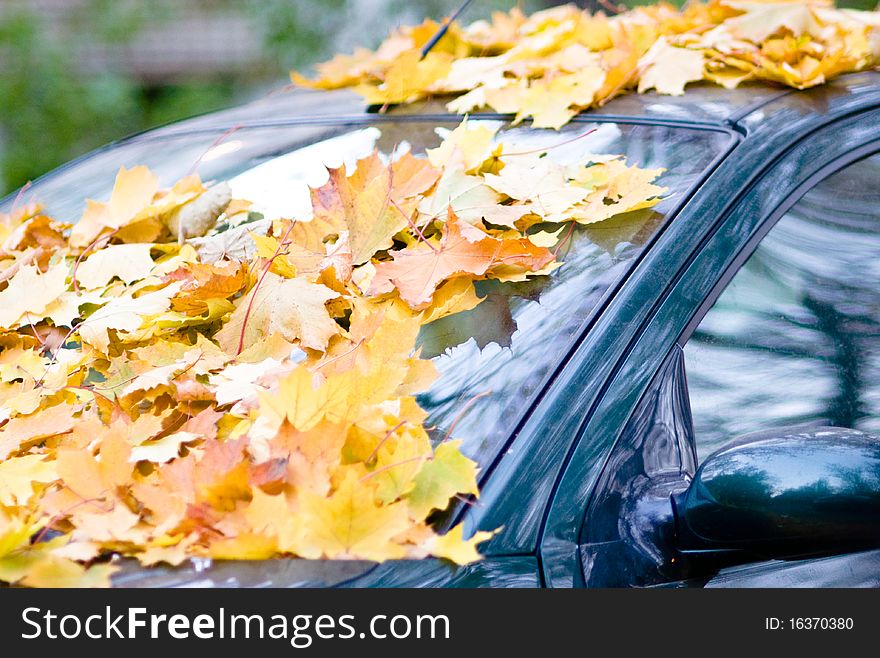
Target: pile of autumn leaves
[181,377]
[553,64]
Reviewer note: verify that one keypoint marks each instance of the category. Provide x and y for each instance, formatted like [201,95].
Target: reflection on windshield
[795,339]
[493,359]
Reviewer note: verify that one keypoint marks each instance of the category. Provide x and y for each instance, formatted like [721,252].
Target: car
[692,399]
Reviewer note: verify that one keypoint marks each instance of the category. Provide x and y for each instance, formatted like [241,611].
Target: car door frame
[780,160]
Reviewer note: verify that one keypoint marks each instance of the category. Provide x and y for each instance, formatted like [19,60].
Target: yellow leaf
[15,535]
[349,524]
[398,460]
[763,19]
[371,204]
[124,314]
[275,517]
[668,68]
[133,191]
[454,296]
[409,77]
[452,546]
[446,474]
[22,432]
[269,248]
[64,573]
[128,262]
[293,308]
[625,189]
[246,546]
[164,449]
[553,102]
[17,477]
[470,199]
[304,403]
[539,182]
[29,294]
[468,145]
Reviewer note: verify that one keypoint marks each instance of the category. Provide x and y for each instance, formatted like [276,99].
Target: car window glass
[492,359]
[795,338]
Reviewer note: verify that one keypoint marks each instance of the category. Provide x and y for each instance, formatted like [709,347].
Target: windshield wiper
[445,27]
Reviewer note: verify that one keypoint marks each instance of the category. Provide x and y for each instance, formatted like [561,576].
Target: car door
[625,532]
[793,344]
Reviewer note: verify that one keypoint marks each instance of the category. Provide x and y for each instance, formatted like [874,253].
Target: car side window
[795,337]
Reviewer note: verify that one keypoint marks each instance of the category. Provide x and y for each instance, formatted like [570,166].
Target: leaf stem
[281,244]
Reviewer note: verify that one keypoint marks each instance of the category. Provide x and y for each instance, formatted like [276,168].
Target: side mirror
[786,492]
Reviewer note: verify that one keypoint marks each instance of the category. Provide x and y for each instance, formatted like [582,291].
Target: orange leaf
[463,249]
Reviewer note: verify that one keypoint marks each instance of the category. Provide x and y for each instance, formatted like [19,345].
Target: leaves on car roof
[551,65]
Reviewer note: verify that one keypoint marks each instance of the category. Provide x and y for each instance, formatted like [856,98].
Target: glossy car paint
[784,492]
[778,142]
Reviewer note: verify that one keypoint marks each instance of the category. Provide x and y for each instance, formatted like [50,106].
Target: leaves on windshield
[551,65]
[246,388]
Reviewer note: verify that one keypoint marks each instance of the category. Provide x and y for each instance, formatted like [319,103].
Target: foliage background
[75,74]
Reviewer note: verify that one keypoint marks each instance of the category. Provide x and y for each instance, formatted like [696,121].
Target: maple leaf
[133,191]
[350,524]
[552,102]
[469,145]
[623,189]
[30,293]
[164,449]
[760,20]
[411,176]
[203,282]
[102,525]
[463,249]
[15,534]
[273,515]
[233,244]
[341,71]
[293,308]
[470,199]
[93,479]
[22,432]
[539,182]
[198,216]
[453,547]
[42,234]
[668,68]
[245,546]
[16,362]
[126,314]
[18,475]
[60,572]
[309,457]
[238,381]
[216,476]
[372,204]
[304,402]
[408,77]
[446,474]
[128,262]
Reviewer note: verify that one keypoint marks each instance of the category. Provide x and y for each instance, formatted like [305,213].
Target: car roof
[702,103]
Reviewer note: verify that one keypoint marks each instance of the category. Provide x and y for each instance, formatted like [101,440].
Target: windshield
[493,359]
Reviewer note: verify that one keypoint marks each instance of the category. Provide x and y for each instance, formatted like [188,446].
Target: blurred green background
[75,74]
